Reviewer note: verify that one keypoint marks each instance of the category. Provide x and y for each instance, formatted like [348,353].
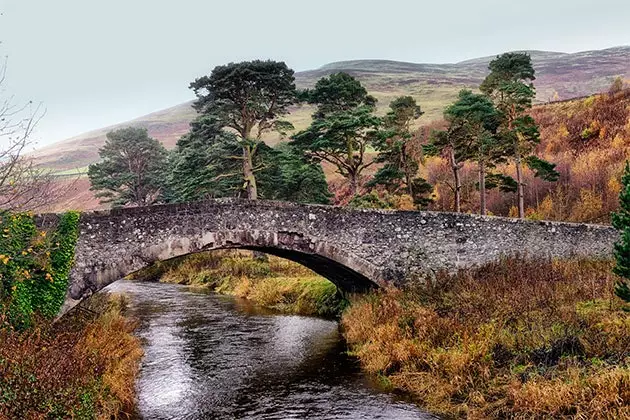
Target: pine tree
[131,168]
[344,126]
[399,173]
[621,222]
[510,86]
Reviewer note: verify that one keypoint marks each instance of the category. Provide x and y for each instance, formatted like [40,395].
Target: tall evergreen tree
[478,119]
[249,99]
[454,143]
[131,169]
[344,126]
[510,85]
[399,173]
[621,222]
[202,166]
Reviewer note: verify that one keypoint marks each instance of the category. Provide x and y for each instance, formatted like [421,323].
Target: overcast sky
[93,63]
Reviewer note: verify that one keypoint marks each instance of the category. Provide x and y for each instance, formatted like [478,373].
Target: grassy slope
[433,85]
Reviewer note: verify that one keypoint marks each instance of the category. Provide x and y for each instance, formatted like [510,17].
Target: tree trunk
[354,183]
[482,187]
[520,189]
[408,176]
[519,168]
[251,190]
[458,182]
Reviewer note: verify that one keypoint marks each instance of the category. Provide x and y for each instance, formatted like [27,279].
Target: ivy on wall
[34,267]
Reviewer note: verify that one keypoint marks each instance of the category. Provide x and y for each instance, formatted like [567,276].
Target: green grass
[82,171]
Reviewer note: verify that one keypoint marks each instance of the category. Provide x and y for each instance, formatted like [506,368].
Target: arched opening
[289,281]
[348,272]
[346,279]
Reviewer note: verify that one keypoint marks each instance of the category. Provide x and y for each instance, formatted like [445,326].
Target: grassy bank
[512,339]
[82,367]
[271,282]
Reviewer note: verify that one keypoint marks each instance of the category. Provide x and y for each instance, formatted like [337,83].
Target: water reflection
[210,356]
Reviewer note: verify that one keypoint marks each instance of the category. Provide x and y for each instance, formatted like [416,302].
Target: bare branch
[23,186]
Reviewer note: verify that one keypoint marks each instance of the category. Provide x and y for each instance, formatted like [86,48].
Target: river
[209,356]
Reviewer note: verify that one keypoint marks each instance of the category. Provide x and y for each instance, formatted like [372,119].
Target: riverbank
[83,366]
[512,339]
[271,281]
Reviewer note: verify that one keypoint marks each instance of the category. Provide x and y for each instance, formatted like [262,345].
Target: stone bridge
[355,249]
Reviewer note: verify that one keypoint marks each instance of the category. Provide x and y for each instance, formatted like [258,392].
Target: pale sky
[96,63]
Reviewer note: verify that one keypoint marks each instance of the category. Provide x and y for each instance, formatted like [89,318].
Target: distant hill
[559,76]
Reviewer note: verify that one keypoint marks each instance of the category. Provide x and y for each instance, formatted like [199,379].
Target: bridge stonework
[355,249]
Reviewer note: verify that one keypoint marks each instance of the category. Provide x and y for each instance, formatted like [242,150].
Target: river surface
[216,357]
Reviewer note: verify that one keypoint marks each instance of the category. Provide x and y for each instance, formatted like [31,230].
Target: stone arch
[351,274]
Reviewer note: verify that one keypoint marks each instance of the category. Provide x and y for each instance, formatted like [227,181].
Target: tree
[201,167]
[343,128]
[248,98]
[400,168]
[478,119]
[453,144]
[510,86]
[621,222]
[131,169]
[23,186]
[289,176]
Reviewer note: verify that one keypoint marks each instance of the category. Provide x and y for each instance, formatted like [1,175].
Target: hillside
[560,76]
[589,141]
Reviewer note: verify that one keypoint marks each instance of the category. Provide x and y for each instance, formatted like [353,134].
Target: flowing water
[215,357]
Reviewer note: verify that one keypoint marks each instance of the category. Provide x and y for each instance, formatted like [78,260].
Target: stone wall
[356,249]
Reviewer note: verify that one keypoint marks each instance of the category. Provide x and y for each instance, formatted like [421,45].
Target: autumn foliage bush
[83,366]
[513,339]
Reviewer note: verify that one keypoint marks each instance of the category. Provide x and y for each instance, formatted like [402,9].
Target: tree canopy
[202,166]
[344,126]
[131,168]
[249,99]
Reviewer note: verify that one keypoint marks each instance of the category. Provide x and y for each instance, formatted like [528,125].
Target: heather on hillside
[587,139]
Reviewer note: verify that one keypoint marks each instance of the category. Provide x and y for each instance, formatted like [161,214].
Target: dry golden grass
[514,339]
[77,368]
